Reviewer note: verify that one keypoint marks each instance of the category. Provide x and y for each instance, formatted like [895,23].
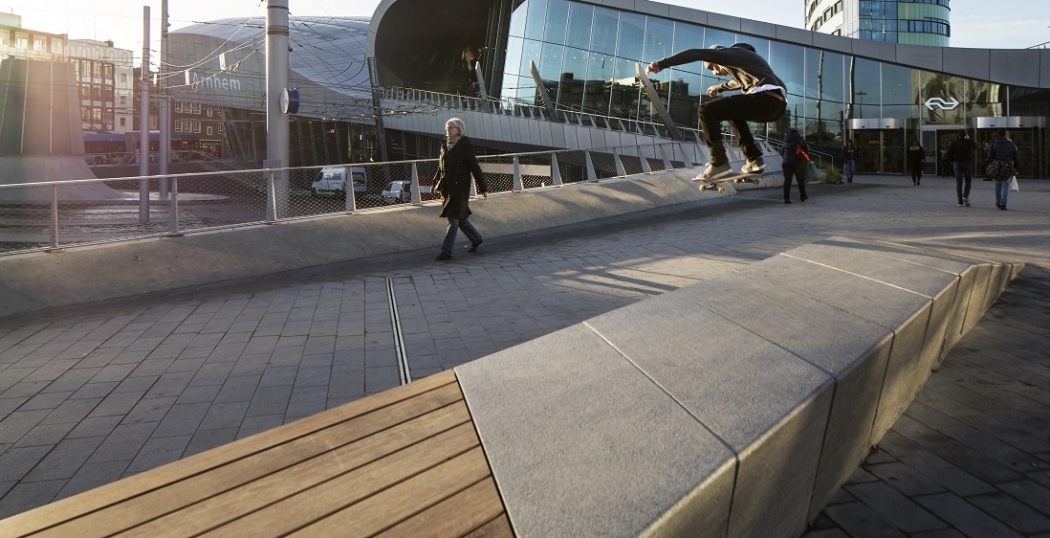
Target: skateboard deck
[717,183]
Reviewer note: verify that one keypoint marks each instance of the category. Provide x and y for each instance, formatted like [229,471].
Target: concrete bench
[734,407]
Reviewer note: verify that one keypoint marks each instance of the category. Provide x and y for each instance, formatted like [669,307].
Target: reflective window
[687,36]
[573,78]
[631,37]
[549,64]
[603,36]
[580,17]
[825,75]
[788,62]
[718,37]
[534,24]
[557,21]
[866,81]
[659,34]
[599,81]
[625,91]
[517,20]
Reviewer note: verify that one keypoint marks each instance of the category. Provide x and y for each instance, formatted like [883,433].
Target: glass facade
[586,56]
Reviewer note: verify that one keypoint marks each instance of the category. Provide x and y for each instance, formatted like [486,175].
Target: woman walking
[455,167]
[1003,162]
[916,160]
[792,166]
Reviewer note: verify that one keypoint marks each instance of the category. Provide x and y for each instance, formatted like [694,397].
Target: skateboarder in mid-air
[764,99]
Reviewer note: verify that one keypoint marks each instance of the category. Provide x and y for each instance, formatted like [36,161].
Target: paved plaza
[93,393]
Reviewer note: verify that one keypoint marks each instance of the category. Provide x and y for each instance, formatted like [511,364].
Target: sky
[1013,24]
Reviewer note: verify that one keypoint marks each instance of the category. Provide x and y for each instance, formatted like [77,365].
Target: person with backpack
[764,99]
[961,153]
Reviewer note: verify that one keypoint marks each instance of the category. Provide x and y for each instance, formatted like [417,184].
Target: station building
[585,54]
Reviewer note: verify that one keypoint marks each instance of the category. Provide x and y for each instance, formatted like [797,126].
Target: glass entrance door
[881,151]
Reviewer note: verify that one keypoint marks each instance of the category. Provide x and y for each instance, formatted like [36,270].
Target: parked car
[333,180]
[401,191]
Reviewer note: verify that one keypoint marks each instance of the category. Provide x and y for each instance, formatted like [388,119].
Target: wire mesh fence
[52,215]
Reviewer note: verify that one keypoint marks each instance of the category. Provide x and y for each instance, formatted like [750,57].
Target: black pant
[798,172]
[737,110]
[916,175]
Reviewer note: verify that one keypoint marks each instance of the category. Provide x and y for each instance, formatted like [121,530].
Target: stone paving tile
[257,355]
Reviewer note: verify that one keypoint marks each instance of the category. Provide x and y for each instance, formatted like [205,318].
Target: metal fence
[52,215]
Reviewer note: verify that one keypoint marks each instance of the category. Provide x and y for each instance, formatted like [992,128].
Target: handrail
[270,195]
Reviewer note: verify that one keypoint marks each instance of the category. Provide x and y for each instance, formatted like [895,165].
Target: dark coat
[791,142]
[1004,149]
[455,167]
[961,150]
[916,158]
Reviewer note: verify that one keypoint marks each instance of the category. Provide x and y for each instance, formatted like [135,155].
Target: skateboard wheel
[703,188]
[722,190]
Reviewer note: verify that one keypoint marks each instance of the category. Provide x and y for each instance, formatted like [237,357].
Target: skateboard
[732,178]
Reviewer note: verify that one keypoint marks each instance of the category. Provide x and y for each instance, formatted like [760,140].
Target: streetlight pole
[277,153]
[144,121]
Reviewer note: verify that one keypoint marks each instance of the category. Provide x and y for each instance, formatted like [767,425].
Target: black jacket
[916,157]
[961,150]
[747,69]
[455,168]
[791,142]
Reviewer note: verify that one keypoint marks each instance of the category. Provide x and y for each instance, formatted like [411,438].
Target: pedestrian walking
[793,166]
[849,161]
[961,152]
[1003,162]
[764,99]
[916,161]
[456,165]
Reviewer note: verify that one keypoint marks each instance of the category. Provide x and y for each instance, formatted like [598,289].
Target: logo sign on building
[941,103]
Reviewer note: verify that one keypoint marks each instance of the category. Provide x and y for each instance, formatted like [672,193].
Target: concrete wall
[732,408]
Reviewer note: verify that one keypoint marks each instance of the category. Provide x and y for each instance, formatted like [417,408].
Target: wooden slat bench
[405,462]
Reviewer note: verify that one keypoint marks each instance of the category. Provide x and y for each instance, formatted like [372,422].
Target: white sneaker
[715,172]
[756,166]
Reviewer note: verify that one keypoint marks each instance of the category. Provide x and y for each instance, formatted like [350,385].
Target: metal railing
[51,215]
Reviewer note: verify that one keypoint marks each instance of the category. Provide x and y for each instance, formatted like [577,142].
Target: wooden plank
[454,517]
[108,495]
[230,505]
[334,495]
[497,528]
[399,502]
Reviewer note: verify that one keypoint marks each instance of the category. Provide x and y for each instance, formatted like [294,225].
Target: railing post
[667,159]
[555,170]
[644,160]
[271,191]
[54,215]
[620,170]
[173,207]
[591,176]
[517,185]
[350,200]
[416,198]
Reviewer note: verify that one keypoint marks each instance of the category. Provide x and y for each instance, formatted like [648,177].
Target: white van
[333,180]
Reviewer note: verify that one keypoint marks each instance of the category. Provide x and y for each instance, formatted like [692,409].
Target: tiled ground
[94,393]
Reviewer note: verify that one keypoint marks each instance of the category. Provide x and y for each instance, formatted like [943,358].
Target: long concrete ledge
[732,408]
[40,280]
